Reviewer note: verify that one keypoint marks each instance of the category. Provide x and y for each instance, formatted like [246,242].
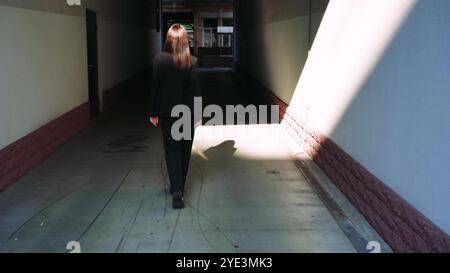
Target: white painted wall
[43,62]
[377,83]
[42,69]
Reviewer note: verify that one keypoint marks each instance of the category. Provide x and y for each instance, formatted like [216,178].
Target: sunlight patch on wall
[351,40]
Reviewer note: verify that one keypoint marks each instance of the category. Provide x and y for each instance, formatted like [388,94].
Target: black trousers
[178,155]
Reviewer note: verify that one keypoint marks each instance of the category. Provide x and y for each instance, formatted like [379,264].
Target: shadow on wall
[273,44]
[248,17]
[382,144]
[274,39]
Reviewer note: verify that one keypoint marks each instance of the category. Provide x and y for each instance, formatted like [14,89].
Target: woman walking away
[175,82]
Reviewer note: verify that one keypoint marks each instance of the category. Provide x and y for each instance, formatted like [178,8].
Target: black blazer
[172,86]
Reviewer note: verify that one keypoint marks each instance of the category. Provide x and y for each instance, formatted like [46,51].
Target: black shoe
[178,201]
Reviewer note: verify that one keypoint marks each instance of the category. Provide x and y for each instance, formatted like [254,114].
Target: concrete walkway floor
[106,189]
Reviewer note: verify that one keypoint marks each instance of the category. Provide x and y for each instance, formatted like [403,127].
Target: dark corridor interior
[354,164]
[244,192]
[107,190]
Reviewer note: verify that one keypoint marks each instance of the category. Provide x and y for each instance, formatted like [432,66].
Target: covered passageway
[356,159]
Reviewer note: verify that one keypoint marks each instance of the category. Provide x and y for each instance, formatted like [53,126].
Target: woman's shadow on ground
[220,154]
[224,152]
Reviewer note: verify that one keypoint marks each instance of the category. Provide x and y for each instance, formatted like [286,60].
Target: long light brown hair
[177,44]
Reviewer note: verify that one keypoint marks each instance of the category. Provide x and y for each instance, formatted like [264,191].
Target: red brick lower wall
[23,155]
[402,226]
